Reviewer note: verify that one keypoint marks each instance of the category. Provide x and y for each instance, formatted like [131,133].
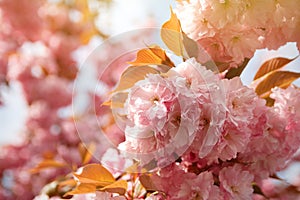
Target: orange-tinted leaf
[190,46]
[133,168]
[48,163]
[180,1]
[50,189]
[222,66]
[86,153]
[118,100]
[272,65]
[136,168]
[87,17]
[171,34]
[173,23]
[119,187]
[87,35]
[132,75]
[176,40]
[152,55]
[280,79]
[211,65]
[67,182]
[83,5]
[233,72]
[139,189]
[216,67]
[48,155]
[65,186]
[146,181]
[94,174]
[82,188]
[269,101]
[163,68]
[106,103]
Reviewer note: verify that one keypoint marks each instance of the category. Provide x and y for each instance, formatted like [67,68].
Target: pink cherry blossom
[194,80]
[148,104]
[236,183]
[287,106]
[108,196]
[193,21]
[231,31]
[157,197]
[185,185]
[241,43]
[215,48]
[223,13]
[162,120]
[231,142]
[210,125]
[270,147]
[241,102]
[113,161]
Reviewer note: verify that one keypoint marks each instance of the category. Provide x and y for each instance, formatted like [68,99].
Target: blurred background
[113,17]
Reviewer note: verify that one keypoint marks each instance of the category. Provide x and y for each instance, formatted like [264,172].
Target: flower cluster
[215,137]
[164,113]
[231,30]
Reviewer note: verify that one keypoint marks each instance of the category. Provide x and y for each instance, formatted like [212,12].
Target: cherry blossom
[236,183]
[232,30]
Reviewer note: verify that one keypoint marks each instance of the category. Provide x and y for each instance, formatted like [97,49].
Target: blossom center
[155,99]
